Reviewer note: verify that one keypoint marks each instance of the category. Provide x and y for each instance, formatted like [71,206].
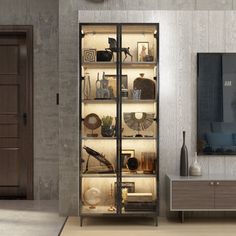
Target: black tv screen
[216,103]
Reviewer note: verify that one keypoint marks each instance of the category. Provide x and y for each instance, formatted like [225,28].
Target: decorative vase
[104,55]
[107,131]
[87,86]
[184,158]
[132,164]
[195,169]
[147,86]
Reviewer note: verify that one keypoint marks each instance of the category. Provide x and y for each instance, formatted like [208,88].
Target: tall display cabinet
[118,120]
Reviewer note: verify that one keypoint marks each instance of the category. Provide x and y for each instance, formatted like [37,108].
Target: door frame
[27,31]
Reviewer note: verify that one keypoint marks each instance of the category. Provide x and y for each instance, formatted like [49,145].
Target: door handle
[24,118]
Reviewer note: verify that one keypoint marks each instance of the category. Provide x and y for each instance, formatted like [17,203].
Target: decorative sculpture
[101,158]
[134,122]
[113,48]
[102,90]
[92,121]
[92,197]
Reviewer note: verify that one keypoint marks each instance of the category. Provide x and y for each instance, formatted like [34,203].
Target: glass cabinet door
[98,110]
[139,114]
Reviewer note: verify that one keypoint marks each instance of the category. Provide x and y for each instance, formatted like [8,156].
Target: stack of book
[139,202]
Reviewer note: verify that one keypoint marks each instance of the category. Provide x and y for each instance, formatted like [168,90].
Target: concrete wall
[158,5]
[183,33]
[68,117]
[43,15]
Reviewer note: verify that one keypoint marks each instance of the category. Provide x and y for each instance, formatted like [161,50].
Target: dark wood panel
[9,64]
[9,167]
[10,79]
[8,119]
[9,142]
[225,194]
[10,193]
[16,99]
[192,195]
[9,131]
[8,98]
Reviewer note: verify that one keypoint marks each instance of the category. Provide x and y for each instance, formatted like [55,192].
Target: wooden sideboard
[205,193]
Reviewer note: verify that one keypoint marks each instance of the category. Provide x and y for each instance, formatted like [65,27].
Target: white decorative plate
[92,196]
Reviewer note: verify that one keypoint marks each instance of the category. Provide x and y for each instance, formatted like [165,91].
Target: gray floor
[29,218]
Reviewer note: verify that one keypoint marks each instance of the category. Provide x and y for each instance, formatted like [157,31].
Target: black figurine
[113,48]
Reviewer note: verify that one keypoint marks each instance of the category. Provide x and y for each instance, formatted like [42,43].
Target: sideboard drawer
[225,194]
[192,195]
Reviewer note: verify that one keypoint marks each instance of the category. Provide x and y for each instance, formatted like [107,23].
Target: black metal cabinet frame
[119,212]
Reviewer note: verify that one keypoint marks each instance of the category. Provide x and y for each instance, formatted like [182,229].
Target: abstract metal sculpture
[134,122]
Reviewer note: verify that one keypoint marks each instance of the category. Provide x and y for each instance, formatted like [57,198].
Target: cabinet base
[155,219]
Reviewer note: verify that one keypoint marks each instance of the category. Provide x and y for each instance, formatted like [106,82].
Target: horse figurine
[113,48]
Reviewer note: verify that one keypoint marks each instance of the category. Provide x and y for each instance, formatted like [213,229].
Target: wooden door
[225,194]
[16,113]
[192,195]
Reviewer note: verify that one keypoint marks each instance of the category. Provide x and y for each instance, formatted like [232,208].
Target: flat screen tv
[216,103]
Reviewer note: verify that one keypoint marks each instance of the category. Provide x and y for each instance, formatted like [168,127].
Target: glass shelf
[138,101]
[131,65]
[110,29]
[98,175]
[139,138]
[138,213]
[98,138]
[138,175]
[124,138]
[113,101]
[124,175]
[98,210]
[96,101]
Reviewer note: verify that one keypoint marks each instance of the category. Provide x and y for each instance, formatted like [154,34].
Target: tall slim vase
[184,158]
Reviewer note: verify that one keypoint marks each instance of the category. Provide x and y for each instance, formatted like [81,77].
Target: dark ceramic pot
[107,131]
[132,164]
[104,55]
[148,58]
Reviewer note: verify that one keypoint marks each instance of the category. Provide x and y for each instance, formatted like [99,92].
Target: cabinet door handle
[217,183]
[24,118]
[211,183]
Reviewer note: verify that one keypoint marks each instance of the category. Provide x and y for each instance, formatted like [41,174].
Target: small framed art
[89,55]
[125,155]
[143,49]
[112,84]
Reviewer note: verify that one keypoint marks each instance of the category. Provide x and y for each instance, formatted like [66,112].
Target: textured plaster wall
[43,15]
[183,33]
[158,5]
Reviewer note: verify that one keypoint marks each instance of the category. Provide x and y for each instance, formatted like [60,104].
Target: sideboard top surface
[202,178]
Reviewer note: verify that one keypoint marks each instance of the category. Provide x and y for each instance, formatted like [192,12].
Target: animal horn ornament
[101,158]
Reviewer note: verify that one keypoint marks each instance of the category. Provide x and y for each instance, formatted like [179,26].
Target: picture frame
[89,55]
[112,83]
[142,50]
[125,155]
[129,185]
